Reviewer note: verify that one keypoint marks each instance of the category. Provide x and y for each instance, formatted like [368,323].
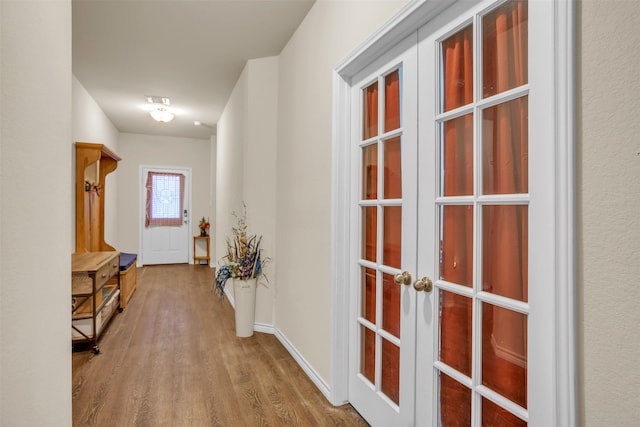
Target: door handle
[425,284]
[403,278]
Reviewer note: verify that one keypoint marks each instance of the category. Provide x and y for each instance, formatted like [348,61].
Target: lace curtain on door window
[165,195]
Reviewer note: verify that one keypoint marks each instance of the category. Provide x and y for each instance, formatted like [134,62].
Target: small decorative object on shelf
[204,226]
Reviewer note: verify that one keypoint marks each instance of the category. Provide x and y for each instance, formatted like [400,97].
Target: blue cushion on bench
[126,260]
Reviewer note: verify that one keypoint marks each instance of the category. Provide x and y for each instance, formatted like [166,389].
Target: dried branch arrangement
[244,258]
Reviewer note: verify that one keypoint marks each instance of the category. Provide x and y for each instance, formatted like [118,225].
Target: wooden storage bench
[93,300]
[128,277]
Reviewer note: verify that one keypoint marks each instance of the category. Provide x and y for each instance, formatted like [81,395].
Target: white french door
[474,205]
[166,244]
[385,156]
[452,309]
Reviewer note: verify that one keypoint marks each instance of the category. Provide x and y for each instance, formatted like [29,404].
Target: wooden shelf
[198,258]
[92,307]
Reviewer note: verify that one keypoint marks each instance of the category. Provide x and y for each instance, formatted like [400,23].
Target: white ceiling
[191,51]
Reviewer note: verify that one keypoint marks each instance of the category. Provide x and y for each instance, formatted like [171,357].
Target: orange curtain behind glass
[504,171]
[392,101]
[457,238]
[370,111]
[505,228]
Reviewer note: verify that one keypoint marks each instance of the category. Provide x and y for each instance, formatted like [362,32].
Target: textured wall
[152,150]
[330,31]
[260,172]
[232,130]
[246,167]
[90,124]
[35,206]
[609,212]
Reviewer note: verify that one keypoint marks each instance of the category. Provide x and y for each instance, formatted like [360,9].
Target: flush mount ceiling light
[161,115]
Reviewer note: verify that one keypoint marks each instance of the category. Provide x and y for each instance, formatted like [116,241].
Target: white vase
[244,294]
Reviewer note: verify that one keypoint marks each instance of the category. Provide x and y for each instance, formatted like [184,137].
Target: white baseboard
[265,328]
[306,367]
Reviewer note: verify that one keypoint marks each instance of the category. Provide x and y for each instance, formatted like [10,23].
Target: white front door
[451,198]
[165,243]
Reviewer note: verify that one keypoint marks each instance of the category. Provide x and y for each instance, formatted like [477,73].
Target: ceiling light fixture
[161,115]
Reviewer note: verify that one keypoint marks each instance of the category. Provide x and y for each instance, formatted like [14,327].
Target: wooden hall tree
[95,282]
[93,163]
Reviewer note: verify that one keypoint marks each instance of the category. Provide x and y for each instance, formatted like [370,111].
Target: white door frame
[413,16]
[142,197]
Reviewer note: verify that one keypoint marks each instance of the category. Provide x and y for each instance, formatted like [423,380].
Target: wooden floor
[171,358]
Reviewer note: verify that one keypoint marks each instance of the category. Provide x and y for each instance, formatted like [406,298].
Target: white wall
[90,124]
[213,156]
[609,212]
[246,167]
[260,172]
[150,150]
[231,139]
[330,31]
[35,206]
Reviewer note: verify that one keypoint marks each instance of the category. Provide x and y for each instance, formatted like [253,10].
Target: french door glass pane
[456,255]
[369,232]
[370,172]
[457,149]
[457,68]
[493,415]
[505,148]
[505,250]
[368,353]
[390,305]
[369,294]
[505,48]
[370,111]
[392,169]
[504,352]
[455,402]
[392,236]
[390,382]
[392,101]
[456,330]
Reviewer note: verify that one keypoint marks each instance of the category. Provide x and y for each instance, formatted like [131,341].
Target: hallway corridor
[171,358]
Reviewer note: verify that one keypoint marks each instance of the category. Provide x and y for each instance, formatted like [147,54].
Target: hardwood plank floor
[171,358]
